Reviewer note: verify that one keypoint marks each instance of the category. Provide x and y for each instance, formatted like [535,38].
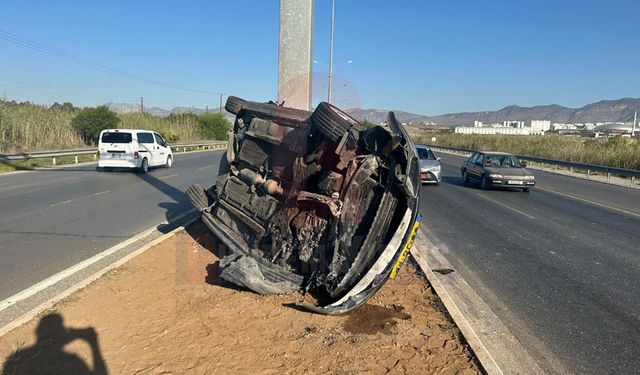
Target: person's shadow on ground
[47,355]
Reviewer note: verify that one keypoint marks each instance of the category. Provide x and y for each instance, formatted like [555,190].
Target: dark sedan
[497,169]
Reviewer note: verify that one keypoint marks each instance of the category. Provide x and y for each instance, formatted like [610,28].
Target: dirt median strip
[166,311]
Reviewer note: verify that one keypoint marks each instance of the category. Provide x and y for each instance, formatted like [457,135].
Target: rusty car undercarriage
[312,202]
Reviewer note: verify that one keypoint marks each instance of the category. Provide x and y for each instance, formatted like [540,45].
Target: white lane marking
[6,303]
[207,167]
[507,206]
[77,199]
[165,177]
[590,201]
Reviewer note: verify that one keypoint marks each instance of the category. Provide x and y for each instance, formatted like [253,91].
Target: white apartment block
[491,131]
[543,125]
[558,126]
[513,124]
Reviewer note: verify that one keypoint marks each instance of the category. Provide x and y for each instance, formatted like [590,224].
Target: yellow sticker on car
[406,249]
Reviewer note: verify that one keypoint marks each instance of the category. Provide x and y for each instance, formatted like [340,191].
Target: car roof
[128,130]
[495,153]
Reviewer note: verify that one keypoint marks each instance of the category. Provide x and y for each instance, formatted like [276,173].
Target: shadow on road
[47,354]
[174,207]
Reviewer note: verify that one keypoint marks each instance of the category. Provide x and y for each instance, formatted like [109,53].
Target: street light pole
[330,85]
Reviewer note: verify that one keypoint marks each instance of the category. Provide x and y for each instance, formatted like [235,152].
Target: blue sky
[428,57]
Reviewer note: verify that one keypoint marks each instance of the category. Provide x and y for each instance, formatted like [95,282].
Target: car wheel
[331,121]
[465,177]
[169,162]
[234,104]
[526,190]
[484,183]
[144,167]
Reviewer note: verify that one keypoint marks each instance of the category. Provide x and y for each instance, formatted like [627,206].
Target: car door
[469,162]
[146,146]
[161,150]
[476,167]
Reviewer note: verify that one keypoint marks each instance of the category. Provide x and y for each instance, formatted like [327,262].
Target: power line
[26,86]
[16,39]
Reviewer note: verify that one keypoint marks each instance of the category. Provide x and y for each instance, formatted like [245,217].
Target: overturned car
[312,202]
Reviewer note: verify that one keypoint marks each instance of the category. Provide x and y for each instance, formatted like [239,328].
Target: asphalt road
[52,219]
[560,266]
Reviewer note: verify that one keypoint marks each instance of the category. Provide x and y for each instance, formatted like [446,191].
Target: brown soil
[166,312]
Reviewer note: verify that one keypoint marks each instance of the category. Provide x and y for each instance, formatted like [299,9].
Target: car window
[502,161]
[145,138]
[473,157]
[480,159]
[116,137]
[425,154]
[159,139]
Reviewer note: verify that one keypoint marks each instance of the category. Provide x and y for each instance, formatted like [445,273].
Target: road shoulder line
[96,275]
[497,350]
[44,293]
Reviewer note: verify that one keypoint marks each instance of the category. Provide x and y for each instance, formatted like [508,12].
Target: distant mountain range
[620,110]
[156,111]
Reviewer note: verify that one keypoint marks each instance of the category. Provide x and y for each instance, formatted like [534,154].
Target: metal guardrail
[632,174]
[205,145]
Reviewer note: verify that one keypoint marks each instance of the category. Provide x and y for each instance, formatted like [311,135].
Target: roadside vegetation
[31,127]
[614,152]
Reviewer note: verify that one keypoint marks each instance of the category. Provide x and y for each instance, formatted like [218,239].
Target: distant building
[536,132]
[477,124]
[614,128]
[559,126]
[492,131]
[544,125]
[513,124]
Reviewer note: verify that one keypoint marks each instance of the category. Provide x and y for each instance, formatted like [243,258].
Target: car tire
[484,183]
[169,162]
[234,104]
[331,121]
[465,177]
[144,167]
[526,190]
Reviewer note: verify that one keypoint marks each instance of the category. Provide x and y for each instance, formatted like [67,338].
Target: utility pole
[295,42]
[206,108]
[141,104]
[635,122]
[220,106]
[330,85]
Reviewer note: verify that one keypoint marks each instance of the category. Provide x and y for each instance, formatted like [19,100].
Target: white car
[430,168]
[133,148]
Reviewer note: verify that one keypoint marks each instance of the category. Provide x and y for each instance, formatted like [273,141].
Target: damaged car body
[312,202]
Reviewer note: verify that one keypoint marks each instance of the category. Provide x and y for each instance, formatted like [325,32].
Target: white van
[133,148]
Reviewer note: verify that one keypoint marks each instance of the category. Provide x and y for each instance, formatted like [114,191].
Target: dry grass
[31,127]
[179,128]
